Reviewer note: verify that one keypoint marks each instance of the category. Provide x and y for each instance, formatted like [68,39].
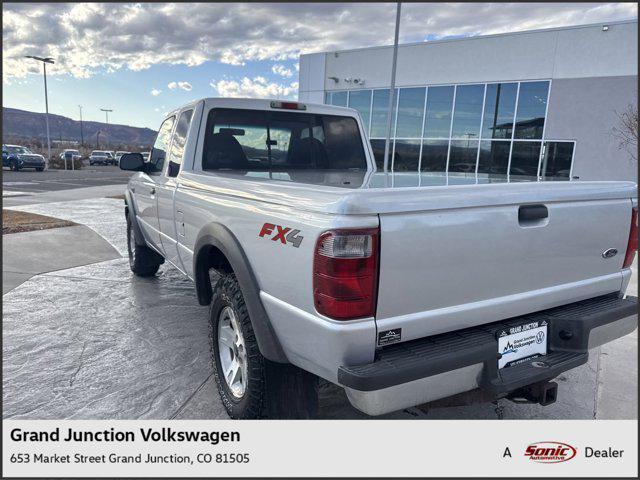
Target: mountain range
[31,125]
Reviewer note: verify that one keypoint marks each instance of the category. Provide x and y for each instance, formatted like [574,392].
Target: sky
[143,60]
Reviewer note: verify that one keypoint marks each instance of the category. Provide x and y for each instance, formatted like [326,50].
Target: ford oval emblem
[610,252]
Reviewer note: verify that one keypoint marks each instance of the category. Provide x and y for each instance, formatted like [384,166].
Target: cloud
[81,36]
[155,92]
[281,70]
[181,85]
[258,87]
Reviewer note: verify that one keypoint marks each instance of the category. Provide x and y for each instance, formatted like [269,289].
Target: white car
[401,294]
[101,157]
[70,154]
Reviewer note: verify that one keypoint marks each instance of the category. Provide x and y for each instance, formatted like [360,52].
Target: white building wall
[593,72]
[574,52]
[311,78]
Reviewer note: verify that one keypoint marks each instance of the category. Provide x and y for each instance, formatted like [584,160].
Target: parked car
[118,155]
[315,265]
[17,157]
[101,157]
[70,154]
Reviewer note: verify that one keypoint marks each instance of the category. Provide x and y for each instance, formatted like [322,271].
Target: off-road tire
[143,261]
[273,390]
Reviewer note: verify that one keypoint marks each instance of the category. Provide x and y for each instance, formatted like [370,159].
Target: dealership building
[541,103]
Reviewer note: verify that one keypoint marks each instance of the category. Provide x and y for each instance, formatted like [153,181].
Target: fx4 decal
[283,234]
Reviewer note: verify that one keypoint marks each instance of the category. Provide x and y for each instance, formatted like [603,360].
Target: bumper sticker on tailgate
[522,342]
[386,337]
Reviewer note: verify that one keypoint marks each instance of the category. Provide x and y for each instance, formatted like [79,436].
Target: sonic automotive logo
[550,452]
[284,234]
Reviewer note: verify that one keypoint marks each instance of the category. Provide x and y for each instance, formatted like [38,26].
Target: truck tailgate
[453,268]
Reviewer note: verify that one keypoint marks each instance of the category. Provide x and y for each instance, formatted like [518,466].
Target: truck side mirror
[133,161]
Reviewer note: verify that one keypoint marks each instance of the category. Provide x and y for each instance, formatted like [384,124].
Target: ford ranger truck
[402,288]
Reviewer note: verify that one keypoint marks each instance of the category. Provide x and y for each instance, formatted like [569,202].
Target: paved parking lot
[30,181]
[94,342]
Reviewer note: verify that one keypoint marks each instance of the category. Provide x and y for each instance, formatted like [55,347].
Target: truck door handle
[531,213]
[153,190]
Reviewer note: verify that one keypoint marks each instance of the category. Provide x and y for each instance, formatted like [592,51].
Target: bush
[58,163]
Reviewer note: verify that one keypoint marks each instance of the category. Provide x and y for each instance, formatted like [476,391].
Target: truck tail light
[632,246]
[345,273]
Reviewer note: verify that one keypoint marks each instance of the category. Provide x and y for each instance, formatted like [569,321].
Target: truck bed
[454,251]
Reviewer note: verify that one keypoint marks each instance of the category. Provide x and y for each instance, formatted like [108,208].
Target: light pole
[106,113]
[46,98]
[392,90]
[81,134]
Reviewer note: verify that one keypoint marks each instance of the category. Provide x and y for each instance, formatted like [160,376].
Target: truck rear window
[276,141]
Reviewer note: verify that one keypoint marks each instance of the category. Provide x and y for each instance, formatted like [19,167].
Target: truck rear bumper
[424,370]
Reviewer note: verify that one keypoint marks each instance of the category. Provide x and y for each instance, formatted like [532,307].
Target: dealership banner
[508,448]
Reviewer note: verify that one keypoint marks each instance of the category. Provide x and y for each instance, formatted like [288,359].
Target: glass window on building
[467,112]
[377,146]
[499,110]
[556,160]
[532,107]
[499,126]
[339,99]
[439,107]
[361,101]
[525,157]
[434,156]
[410,113]
[379,114]
[406,156]
[494,157]
[463,155]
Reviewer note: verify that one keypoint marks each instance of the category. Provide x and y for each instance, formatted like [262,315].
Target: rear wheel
[249,385]
[14,166]
[39,169]
[143,261]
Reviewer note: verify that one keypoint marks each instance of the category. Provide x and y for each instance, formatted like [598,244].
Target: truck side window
[178,142]
[159,150]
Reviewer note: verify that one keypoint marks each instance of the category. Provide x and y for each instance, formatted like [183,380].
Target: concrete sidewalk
[27,254]
[105,216]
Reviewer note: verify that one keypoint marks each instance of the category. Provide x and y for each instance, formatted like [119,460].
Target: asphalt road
[30,181]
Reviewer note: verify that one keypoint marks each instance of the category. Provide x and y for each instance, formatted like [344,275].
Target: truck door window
[256,140]
[159,150]
[178,142]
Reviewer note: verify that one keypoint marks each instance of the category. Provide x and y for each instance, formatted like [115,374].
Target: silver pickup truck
[402,288]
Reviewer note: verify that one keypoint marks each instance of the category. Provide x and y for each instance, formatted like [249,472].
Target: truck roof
[266,104]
